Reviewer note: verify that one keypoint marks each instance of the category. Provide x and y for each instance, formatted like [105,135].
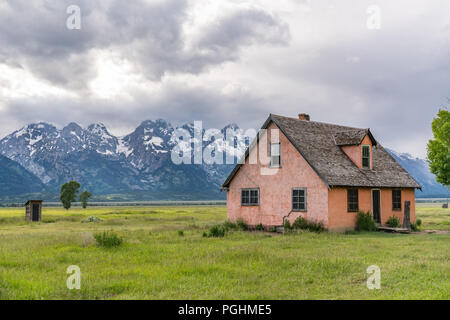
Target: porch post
[406,217]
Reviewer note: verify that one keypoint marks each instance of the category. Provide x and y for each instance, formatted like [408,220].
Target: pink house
[323,172]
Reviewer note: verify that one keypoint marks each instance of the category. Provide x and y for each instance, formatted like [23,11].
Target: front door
[35,212]
[376,209]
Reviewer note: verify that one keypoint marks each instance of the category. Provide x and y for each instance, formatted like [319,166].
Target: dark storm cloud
[176,104]
[243,27]
[33,34]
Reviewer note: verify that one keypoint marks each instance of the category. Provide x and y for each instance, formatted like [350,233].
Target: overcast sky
[227,61]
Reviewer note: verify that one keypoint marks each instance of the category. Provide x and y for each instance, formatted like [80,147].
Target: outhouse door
[35,212]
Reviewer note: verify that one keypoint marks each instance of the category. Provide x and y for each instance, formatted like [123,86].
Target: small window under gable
[366,157]
[275,155]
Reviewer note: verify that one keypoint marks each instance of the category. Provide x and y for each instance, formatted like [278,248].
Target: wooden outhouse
[33,210]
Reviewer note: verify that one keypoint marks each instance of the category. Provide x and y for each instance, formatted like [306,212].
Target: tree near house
[439,148]
[84,197]
[68,193]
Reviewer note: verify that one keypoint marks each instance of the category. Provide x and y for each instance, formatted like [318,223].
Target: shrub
[181,233]
[241,225]
[419,222]
[365,222]
[302,224]
[108,239]
[92,219]
[220,230]
[217,231]
[316,226]
[287,225]
[393,222]
[414,227]
[230,225]
[260,227]
[273,229]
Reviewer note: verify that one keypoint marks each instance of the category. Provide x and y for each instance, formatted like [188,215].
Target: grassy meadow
[433,216]
[158,261]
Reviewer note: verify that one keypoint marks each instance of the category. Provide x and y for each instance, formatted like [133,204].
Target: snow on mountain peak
[403,155]
[41,147]
[156,141]
[122,147]
[73,127]
[97,127]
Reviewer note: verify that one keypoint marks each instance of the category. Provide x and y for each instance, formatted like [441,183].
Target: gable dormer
[358,146]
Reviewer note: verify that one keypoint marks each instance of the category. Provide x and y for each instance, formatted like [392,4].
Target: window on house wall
[250,197]
[275,155]
[299,199]
[366,157]
[352,200]
[397,200]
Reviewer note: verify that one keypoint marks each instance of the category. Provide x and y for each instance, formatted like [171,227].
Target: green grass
[433,216]
[155,262]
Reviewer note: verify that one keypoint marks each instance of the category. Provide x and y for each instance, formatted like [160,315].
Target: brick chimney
[304,116]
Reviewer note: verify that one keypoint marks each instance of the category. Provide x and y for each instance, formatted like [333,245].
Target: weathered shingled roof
[352,137]
[319,143]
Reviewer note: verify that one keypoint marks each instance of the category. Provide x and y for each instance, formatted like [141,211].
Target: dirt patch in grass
[432,232]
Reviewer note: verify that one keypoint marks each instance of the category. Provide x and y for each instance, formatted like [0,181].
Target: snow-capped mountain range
[137,166]
[138,163]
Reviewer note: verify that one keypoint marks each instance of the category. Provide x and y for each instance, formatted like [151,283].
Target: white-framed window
[298,199]
[365,156]
[250,197]
[275,155]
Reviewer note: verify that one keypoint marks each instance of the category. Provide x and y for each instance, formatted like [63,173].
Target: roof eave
[373,186]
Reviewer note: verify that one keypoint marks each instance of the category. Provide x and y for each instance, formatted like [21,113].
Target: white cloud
[117,77]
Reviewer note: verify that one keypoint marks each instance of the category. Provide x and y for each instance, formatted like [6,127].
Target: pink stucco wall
[276,189]
[340,219]
[355,152]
